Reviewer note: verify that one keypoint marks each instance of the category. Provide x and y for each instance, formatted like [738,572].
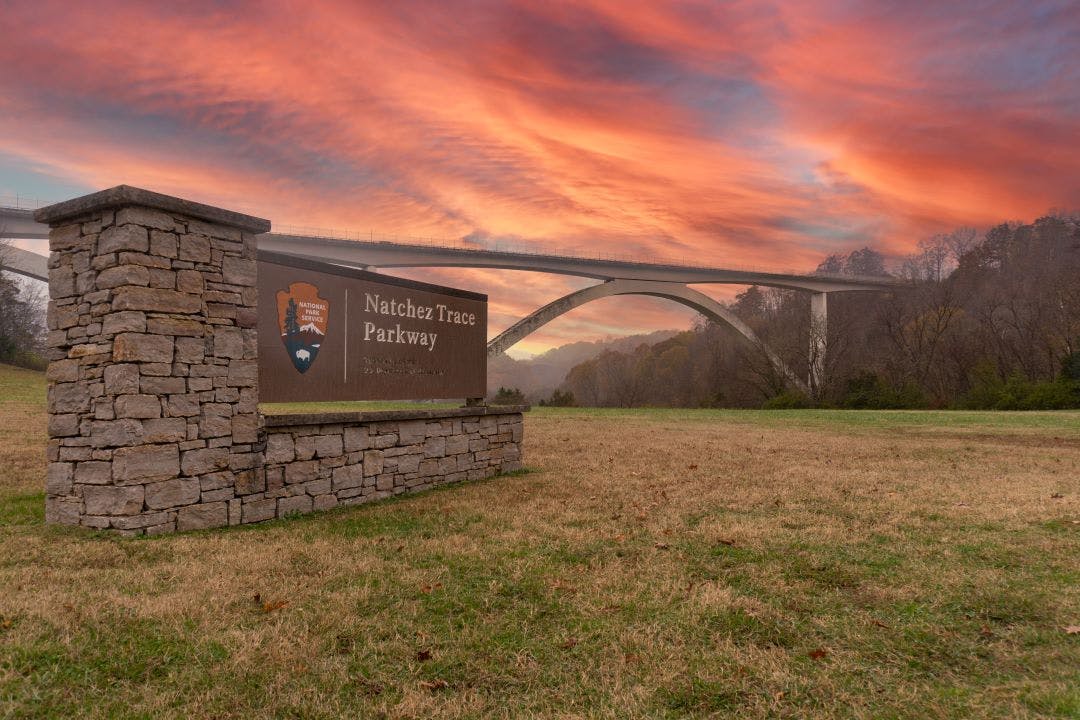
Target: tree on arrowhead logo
[302,317]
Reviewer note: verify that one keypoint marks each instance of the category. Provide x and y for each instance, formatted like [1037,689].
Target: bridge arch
[676,292]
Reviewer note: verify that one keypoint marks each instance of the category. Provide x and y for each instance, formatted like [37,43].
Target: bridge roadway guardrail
[542,250]
[535,249]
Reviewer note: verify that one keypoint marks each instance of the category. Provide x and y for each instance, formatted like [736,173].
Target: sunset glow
[741,134]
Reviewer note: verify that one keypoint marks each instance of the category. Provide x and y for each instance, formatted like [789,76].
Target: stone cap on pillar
[126,196]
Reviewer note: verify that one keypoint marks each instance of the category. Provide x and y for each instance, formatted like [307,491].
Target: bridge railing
[22,202]
[532,248]
[544,249]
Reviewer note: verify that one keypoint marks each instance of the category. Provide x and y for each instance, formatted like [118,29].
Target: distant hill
[539,376]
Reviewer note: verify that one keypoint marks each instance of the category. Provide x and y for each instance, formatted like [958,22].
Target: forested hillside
[985,322]
[538,377]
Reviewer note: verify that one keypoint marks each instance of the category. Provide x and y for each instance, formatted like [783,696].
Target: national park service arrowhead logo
[302,317]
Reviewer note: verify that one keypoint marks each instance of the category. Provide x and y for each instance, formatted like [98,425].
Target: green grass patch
[104,667]
[21,387]
[25,509]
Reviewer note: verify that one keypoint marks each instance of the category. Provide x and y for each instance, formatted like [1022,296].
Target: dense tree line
[22,314]
[988,322]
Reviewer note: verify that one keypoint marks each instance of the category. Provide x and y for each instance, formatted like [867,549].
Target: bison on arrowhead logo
[302,317]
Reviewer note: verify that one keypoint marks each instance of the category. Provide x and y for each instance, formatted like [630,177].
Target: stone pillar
[153,375]
[818,335]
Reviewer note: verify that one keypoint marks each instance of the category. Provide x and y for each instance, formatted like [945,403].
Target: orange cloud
[740,133]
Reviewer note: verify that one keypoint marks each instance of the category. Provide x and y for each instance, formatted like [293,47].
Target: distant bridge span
[377,254]
[24,262]
[619,277]
[19,223]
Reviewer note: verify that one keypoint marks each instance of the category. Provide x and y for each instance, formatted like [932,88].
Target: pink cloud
[739,133]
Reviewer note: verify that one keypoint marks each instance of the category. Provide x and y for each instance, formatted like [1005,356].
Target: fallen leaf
[818,654]
[434,684]
[985,631]
[1072,629]
[565,587]
[272,605]
[570,643]
[631,658]
[879,623]
[423,655]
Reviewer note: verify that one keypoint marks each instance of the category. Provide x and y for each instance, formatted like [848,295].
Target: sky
[745,134]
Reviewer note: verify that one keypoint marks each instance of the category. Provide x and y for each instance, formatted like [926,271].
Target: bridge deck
[19,223]
[383,254]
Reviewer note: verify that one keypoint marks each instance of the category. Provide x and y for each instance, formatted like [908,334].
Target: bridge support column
[818,334]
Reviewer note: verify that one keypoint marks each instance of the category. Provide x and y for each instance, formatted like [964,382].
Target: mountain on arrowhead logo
[302,317]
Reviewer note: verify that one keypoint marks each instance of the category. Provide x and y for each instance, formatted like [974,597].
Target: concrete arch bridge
[617,277]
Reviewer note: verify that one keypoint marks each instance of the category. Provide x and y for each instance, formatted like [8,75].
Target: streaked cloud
[749,134]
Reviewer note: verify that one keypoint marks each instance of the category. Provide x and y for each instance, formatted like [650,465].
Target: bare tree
[1007,301]
[22,323]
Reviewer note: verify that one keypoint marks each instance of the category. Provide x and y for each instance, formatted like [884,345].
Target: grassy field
[785,564]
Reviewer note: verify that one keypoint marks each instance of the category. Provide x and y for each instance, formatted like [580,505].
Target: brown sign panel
[332,333]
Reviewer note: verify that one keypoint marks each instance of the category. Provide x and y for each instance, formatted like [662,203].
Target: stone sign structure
[338,333]
[154,424]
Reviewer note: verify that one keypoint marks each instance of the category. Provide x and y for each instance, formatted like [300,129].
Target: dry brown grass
[656,564]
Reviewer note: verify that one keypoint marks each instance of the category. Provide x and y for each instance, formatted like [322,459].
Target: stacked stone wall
[315,464]
[153,396]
